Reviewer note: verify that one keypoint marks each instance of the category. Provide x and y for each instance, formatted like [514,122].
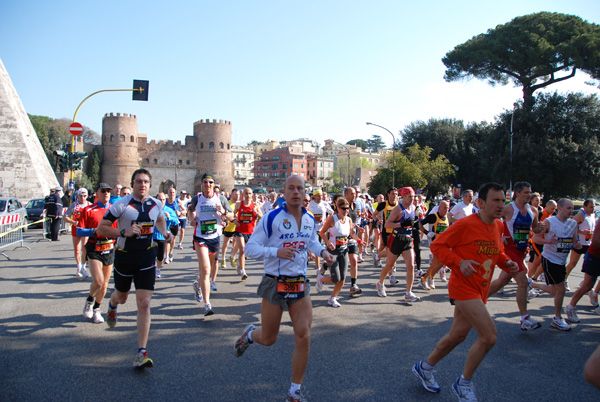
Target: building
[243,164]
[319,169]
[274,166]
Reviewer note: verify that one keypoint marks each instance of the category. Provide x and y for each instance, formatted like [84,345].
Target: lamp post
[393,152]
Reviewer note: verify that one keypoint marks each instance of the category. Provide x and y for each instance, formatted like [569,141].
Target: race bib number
[290,287]
[147,230]
[104,247]
[208,227]
[318,218]
[440,228]
[564,245]
[341,241]
[246,217]
[521,236]
[589,236]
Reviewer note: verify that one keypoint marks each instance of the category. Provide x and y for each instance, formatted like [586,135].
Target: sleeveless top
[440,224]
[563,231]
[387,210]
[339,233]
[589,222]
[407,213]
[208,220]
[519,226]
[247,218]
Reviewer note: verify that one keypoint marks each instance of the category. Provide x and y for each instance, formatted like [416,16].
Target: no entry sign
[76,129]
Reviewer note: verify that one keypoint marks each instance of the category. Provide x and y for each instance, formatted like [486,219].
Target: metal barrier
[64,226]
[11,233]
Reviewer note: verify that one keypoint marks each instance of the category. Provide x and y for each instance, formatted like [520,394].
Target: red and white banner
[10,219]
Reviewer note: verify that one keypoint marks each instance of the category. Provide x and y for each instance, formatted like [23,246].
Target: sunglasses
[105,190]
[83,195]
[208,182]
[344,208]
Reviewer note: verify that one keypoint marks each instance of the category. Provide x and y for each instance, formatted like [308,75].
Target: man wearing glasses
[205,212]
[138,216]
[72,216]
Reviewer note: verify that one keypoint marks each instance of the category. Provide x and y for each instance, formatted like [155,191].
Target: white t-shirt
[461,210]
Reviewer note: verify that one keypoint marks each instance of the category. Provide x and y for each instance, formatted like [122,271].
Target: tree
[359,143]
[375,143]
[93,171]
[531,51]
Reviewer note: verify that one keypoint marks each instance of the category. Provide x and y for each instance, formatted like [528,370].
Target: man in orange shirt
[471,247]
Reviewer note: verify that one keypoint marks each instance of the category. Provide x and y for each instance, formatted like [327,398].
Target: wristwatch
[123,233]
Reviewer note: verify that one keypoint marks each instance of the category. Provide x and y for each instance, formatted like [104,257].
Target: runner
[173,202]
[535,269]
[138,216]
[183,202]
[383,212]
[320,209]
[586,222]
[438,223]
[205,212]
[72,216]
[471,247]
[282,239]
[161,244]
[353,247]
[591,272]
[335,233]
[228,232]
[100,251]
[519,220]
[560,236]
[401,220]
[463,208]
[246,214]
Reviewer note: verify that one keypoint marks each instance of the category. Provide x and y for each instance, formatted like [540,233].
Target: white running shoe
[88,309]
[426,377]
[465,393]
[571,313]
[419,273]
[79,274]
[381,290]
[443,275]
[423,284]
[529,324]
[393,280]
[197,292]
[213,286]
[243,274]
[411,297]
[532,294]
[333,302]
[559,323]
[166,261]
[593,298]
[567,288]
[97,317]
[85,272]
[319,285]
[360,258]
[431,283]
[158,274]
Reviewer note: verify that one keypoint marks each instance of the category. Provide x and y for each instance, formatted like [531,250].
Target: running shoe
[319,285]
[180,247]
[529,324]
[419,273]
[411,297]
[88,311]
[171,256]
[426,377]
[593,298]
[197,291]
[367,252]
[465,393]
[571,313]
[443,275]
[375,259]
[355,291]
[158,274]
[333,302]
[567,288]
[213,285]
[111,317]
[142,360]
[223,265]
[423,284]
[233,261]
[166,261]
[360,259]
[208,310]
[431,283]
[243,342]
[243,274]
[530,283]
[381,290]
[85,272]
[79,274]
[542,277]
[379,263]
[297,397]
[532,294]
[559,323]
[393,280]
[97,317]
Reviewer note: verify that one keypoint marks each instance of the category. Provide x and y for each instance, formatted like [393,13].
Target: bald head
[294,191]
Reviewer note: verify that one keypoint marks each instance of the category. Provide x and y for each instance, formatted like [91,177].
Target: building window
[221,145]
[201,145]
[302,166]
[274,166]
[314,164]
[147,161]
[131,139]
[295,165]
[321,164]
[211,145]
[187,162]
[122,138]
[112,138]
[227,146]
[155,161]
[180,161]
[284,166]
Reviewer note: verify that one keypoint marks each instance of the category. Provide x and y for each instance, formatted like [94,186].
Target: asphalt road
[362,351]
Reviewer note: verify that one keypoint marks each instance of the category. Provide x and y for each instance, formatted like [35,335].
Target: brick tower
[120,148]
[214,152]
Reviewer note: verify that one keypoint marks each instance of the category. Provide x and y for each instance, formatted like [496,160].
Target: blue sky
[275,69]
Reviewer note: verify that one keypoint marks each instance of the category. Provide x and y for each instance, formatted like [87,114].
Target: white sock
[294,387]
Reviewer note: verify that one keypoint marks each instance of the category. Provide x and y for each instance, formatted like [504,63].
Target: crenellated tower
[213,140]
[120,148]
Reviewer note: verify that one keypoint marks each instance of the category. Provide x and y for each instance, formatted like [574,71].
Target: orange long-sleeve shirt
[471,239]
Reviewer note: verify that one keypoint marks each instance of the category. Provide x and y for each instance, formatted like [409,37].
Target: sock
[110,306]
[79,267]
[463,381]
[425,365]
[250,337]
[90,298]
[523,317]
[294,387]
[96,305]
[142,349]
[352,281]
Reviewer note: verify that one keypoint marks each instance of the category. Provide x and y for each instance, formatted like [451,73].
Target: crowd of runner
[320,237]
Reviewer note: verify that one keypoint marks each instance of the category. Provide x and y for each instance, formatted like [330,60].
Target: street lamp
[393,152]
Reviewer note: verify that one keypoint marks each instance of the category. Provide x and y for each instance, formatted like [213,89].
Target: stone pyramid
[24,168]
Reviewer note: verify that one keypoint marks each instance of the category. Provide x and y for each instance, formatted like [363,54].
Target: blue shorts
[211,244]
[182,223]
[591,265]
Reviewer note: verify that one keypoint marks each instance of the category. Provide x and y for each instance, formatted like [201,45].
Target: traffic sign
[76,129]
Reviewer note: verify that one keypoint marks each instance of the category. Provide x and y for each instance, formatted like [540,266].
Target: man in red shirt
[246,213]
[472,247]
